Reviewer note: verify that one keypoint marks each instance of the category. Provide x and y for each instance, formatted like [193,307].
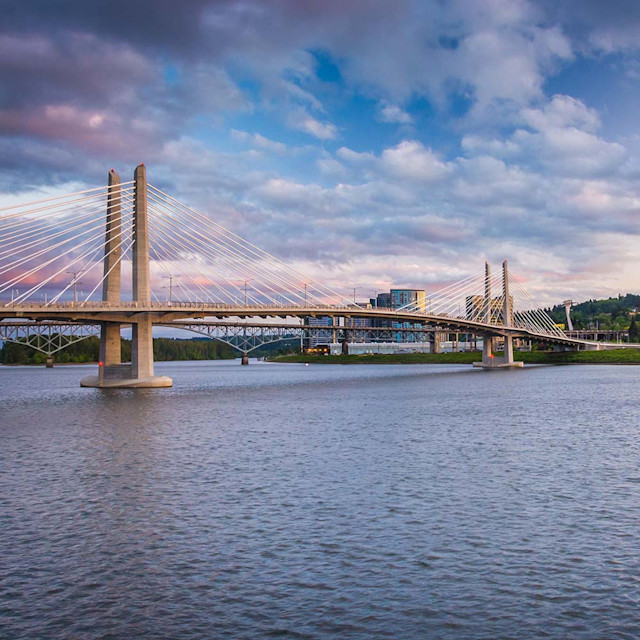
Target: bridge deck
[164,312]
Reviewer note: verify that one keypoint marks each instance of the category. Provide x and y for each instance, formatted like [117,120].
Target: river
[321,502]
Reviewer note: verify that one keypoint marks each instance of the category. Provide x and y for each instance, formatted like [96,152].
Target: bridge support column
[434,343]
[245,359]
[508,349]
[490,361]
[111,373]
[142,348]
[110,349]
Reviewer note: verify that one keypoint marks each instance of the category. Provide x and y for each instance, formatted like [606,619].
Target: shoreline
[613,356]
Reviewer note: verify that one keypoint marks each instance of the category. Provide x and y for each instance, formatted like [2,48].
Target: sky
[372,144]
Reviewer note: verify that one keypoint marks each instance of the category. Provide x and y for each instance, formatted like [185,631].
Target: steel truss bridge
[133,249]
[49,337]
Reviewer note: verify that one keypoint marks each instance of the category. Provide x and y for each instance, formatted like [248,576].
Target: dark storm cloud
[80,68]
[593,20]
[194,28]
[165,24]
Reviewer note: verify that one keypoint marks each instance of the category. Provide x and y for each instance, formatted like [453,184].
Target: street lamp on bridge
[75,283]
[246,282]
[170,278]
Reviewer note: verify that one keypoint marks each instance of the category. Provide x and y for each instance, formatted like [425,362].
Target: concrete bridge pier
[111,372]
[142,348]
[345,343]
[245,358]
[489,360]
[110,349]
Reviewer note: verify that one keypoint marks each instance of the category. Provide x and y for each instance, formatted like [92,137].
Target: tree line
[164,349]
[610,314]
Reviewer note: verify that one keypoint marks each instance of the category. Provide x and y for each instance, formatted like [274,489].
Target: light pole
[170,278]
[75,283]
[246,282]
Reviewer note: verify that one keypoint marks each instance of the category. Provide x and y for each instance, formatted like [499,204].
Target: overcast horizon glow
[369,144]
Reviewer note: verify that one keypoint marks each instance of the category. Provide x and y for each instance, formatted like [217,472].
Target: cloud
[301,120]
[330,166]
[483,163]
[561,139]
[562,111]
[606,27]
[258,140]
[355,156]
[410,160]
[394,114]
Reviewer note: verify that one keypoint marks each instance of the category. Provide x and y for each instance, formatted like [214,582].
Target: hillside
[610,313]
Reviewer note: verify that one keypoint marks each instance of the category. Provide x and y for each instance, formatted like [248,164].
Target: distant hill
[610,313]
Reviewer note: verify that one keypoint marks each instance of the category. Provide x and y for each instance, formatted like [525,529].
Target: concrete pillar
[245,359]
[507,314]
[141,347]
[490,361]
[487,349]
[508,349]
[49,363]
[434,343]
[110,352]
[141,338]
[139,373]
[112,250]
[567,309]
[487,293]
[345,344]
[141,288]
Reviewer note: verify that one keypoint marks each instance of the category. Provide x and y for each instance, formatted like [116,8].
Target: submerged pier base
[151,382]
[490,361]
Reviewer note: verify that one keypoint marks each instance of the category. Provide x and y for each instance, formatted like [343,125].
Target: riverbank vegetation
[615,356]
[164,349]
[617,314]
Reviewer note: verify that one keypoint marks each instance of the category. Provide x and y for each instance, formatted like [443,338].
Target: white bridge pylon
[129,253]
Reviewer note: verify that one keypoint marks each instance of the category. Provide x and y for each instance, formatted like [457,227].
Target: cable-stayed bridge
[130,254]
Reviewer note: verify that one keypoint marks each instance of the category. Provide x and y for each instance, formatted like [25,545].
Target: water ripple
[321,502]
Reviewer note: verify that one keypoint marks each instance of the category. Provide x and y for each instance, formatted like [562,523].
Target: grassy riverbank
[616,356]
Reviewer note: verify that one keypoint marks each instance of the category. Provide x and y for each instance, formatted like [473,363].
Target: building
[403,297]
[382,300]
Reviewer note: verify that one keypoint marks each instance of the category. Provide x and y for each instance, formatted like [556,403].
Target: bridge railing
[128,304]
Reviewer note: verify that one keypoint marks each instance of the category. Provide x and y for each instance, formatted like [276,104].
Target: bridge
[148,259]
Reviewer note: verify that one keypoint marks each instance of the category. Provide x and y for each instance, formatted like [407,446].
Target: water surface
[292,501]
